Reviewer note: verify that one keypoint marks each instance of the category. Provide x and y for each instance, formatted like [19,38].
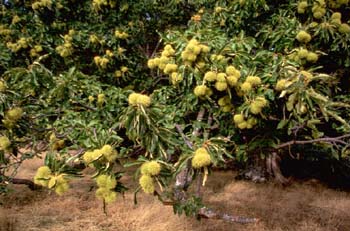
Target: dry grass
[304,206]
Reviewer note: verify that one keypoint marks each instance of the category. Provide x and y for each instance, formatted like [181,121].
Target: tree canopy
[170,89]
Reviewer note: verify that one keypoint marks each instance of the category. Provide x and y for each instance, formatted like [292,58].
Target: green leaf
[282,124]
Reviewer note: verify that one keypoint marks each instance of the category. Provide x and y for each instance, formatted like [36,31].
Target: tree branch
[183,180]
[337,139]
[272,162]
[207,131]
[199,118]
[187,142]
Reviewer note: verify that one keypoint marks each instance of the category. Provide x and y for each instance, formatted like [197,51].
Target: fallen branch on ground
[211,214]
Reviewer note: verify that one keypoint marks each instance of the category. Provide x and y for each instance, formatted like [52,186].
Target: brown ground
[302,206]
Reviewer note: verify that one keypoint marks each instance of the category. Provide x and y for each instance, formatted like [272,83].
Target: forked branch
[184,179]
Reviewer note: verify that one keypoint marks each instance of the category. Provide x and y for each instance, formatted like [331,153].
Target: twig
[187,142]
[7,166]
[296,129]
[27,182]
[84,106]
[143,50]
[155,49]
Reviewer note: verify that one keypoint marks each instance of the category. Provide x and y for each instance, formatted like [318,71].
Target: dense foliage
[169,86]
